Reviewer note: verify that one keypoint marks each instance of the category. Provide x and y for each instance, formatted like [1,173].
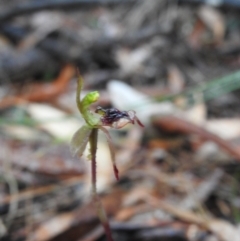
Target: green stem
[100,210]
[79,89]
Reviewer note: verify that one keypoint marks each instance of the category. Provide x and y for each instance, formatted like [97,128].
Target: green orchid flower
[88,133]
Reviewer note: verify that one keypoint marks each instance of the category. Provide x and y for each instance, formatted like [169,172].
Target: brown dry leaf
[174,124]
[131,61]
[225,128]
[52,227]
[81,217]
[178,181]
[54,121]
[42,92]
[224,230]
[24,133]
[52,160]
[126,213]
[195,36]
[199,194]
[197,114]
[193,232]
[214,21]
[175,79]
[134,205]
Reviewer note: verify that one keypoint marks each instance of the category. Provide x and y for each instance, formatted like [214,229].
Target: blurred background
[176,63]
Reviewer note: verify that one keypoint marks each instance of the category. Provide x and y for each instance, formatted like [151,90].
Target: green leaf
[80,139]
[210,90]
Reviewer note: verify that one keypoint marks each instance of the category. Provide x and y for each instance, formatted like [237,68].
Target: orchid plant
[88,133]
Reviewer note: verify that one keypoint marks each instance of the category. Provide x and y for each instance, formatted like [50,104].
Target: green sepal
[79,140]
[91,119]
